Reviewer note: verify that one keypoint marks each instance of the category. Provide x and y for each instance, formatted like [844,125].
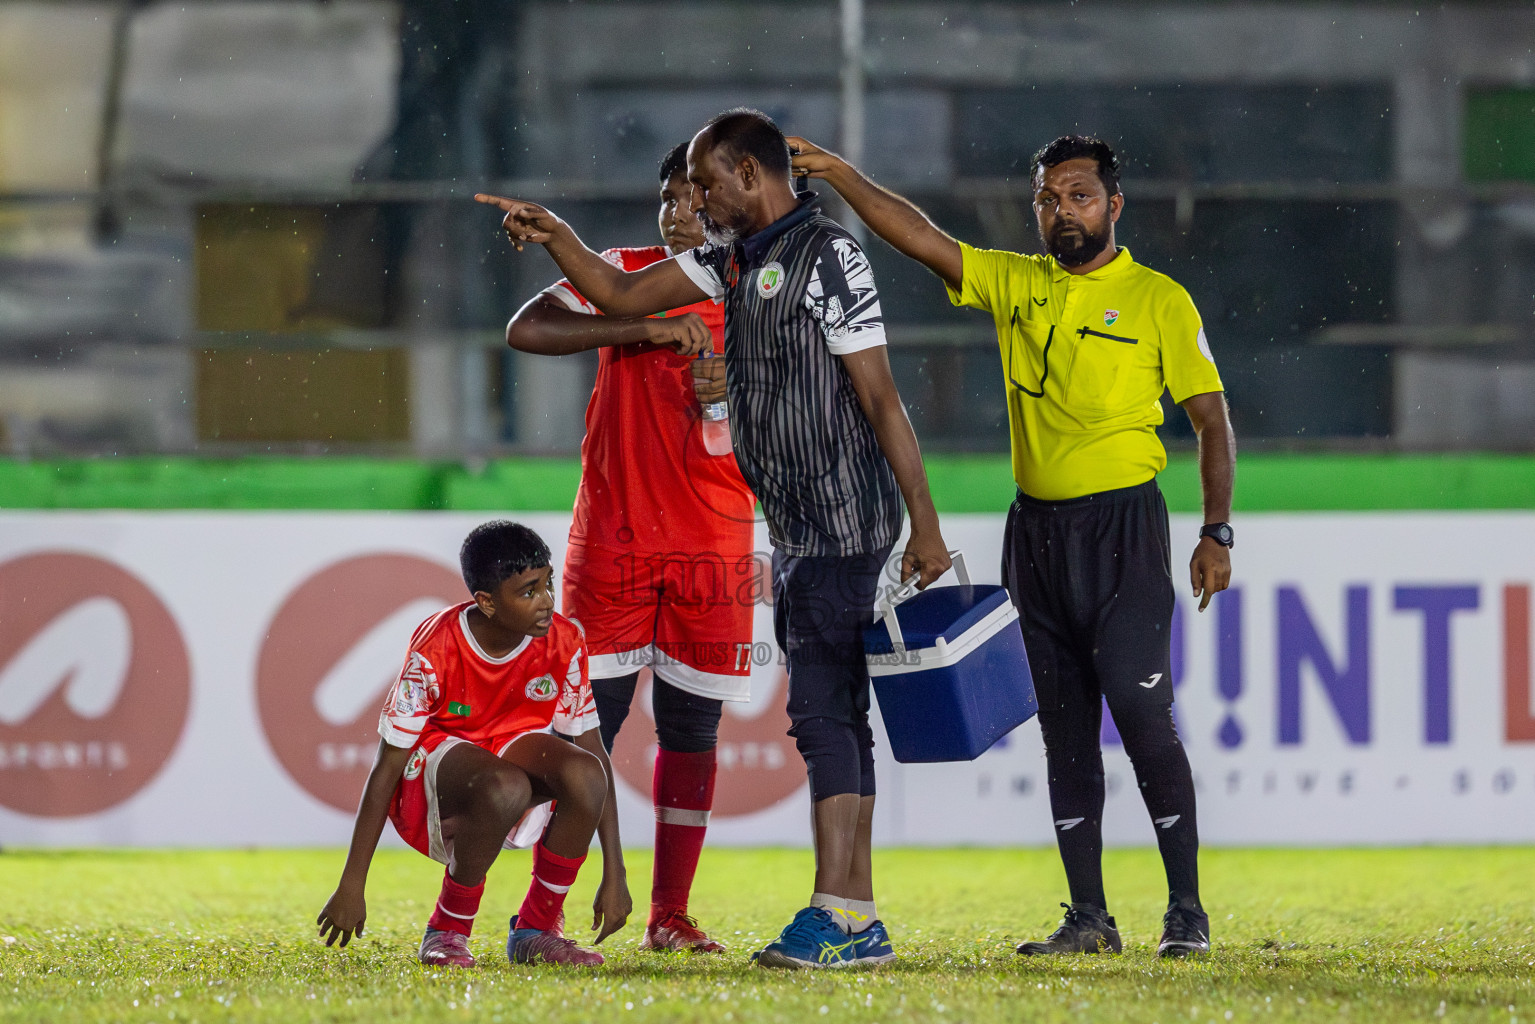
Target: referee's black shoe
[1185,932]
[1084,929]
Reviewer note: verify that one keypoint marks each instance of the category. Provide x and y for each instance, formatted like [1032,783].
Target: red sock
[456,906]
[683,791]
[553,876]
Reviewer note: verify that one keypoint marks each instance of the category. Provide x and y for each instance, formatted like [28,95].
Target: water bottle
[716,424]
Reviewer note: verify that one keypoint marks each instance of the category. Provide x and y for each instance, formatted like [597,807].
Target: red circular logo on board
[95,684]
[758,765]
[329,656]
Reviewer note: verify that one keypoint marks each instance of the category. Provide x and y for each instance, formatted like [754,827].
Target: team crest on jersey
[1109,316]
[416,763]
[543,688]
[770,279]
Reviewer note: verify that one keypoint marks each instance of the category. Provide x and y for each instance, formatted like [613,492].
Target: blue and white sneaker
[871,947]
[812,939]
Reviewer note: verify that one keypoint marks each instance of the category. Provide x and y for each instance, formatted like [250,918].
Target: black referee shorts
[1091,578]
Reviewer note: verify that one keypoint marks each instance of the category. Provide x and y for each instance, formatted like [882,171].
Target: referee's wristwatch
[1221,533]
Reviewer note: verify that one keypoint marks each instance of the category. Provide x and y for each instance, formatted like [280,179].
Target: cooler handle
[904,593]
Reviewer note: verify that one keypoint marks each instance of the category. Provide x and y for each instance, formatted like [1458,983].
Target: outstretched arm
[545,327]
[896,220]
[926,553]
[1210,568]
[611,908]
[653,289]
[346,911]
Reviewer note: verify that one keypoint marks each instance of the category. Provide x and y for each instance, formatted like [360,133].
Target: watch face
[1221,533]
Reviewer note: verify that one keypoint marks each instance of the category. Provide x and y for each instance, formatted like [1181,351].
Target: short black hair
[498,550]
[742,131]
[675,161]
[1076,147]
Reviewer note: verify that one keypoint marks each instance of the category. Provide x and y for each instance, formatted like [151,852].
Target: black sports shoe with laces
[1185,932]
[1084,929]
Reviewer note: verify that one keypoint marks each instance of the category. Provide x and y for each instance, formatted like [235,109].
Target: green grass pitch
[1374,936]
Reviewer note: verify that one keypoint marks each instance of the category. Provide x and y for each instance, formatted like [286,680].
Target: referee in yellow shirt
[1089,340]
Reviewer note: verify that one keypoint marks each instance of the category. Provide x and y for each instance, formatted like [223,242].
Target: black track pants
[1092,580]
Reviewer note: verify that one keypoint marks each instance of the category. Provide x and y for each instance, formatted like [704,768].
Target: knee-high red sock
[683,791]
[553,876]
[456,906]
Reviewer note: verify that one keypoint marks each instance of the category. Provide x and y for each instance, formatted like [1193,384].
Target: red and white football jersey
[647,483]
[450,687]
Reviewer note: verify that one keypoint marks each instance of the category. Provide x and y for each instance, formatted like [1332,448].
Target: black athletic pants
[1092,580]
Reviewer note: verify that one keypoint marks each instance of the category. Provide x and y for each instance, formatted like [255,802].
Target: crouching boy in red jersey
[492,717]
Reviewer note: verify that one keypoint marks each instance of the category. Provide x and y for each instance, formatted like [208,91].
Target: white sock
[852,916]
[858,915]
[834,905]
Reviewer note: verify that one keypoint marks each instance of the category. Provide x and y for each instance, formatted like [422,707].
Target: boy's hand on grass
[611,908]
[344,915]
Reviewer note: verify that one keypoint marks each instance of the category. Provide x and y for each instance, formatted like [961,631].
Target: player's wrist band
[1221,533]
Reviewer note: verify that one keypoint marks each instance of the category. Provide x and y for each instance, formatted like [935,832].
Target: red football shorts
[415,814]
[687,616]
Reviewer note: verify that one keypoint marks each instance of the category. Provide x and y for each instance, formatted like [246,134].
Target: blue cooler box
[949,669]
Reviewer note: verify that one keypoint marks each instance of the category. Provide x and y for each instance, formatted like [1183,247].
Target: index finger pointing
[505,204]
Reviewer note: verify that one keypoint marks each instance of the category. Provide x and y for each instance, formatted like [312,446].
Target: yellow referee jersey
[1085,358]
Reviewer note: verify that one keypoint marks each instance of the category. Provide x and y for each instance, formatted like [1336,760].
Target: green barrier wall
[1277,483]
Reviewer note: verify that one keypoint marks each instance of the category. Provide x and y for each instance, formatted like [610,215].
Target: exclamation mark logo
[1228,662]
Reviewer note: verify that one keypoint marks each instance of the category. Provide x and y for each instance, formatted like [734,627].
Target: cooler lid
[946,612]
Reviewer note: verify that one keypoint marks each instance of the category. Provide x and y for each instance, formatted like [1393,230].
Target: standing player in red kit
[661,543]
[490,719]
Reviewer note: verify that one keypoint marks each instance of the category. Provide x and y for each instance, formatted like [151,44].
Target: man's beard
[1084,248]
[716,234]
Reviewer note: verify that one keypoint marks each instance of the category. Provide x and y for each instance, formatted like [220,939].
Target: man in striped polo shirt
[821,436]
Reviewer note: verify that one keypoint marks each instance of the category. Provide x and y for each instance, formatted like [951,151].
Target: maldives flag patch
[1109,316]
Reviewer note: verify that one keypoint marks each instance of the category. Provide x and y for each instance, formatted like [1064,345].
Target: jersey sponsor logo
[95,684]
[416,763]
[1067,824]
[1109,316]
[542,688]
[332,653]
[770,280]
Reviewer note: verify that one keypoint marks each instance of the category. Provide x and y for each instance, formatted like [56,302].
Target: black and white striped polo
[798,295]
